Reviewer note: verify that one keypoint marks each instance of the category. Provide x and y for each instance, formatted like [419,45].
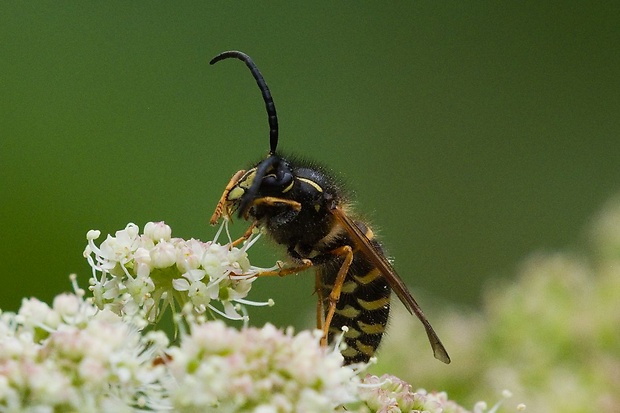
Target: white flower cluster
[137,273]
[71,357]
[390,394]
[93,355]
[218,368]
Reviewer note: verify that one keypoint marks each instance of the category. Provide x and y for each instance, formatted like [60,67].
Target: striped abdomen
[363,307]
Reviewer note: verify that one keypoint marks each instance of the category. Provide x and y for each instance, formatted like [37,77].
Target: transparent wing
[395,282]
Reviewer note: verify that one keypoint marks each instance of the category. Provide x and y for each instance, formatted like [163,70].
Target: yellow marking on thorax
[335,231]
[311,183]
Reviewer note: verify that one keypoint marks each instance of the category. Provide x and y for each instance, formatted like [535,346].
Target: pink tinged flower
[163,255]
[391,394]
[89,361]
[256,370]
[142,262]
[189,255]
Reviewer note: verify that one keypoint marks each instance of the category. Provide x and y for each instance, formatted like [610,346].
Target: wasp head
[269,179]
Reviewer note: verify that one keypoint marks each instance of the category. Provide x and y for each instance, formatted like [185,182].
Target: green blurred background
[472,132]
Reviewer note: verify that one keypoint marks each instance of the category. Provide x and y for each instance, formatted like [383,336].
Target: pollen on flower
[135,273]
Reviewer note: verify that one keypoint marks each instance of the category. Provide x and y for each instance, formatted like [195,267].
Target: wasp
[302,207]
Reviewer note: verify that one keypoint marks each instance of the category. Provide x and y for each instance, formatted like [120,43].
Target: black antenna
[260,81]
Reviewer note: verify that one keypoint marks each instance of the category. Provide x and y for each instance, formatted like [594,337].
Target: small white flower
[190,253]
[66,305]
[163,255]
[36,314]
[144,274]
[157,231]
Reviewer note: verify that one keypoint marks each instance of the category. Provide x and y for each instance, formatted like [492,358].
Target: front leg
[246,235]
[273,201]
[223,202]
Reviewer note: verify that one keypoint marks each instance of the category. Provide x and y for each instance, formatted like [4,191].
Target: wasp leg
[223,199]
[283,272]
[318,288]
[245,235]
[274,201]
[334,296]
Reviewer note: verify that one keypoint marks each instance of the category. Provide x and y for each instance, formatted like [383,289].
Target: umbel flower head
[73,357]
[95,355]
[219,368]
[389,394]
[145,273]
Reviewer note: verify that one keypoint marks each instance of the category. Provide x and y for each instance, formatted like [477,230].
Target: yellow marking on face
[236,193]
[368,278]
[365,348]
[374,305]
[311,183]
[348,312]
[369,234]
[245,182]
[371,328]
